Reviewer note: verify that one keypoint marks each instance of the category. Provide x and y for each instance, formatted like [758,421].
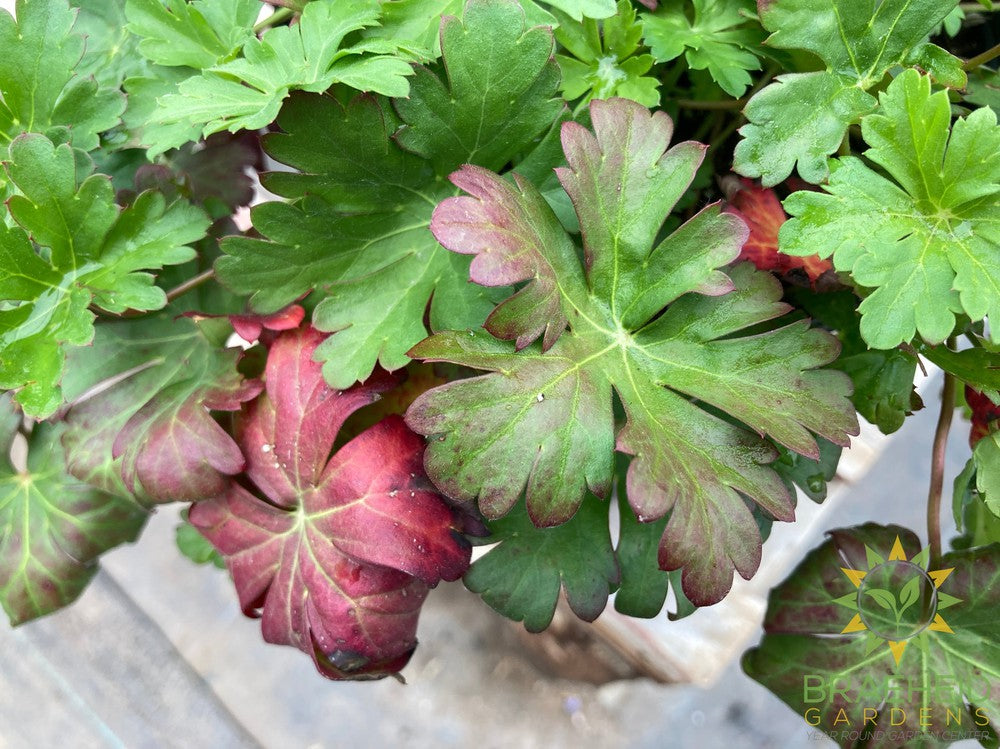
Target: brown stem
[937,463]
[974,62]
[191,283]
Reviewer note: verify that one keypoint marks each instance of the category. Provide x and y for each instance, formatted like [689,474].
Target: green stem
[709,124]
[764,80]
[279,15]
[191,283]
[720,138]
[975,62]
[937,463]
[711,105]
[976,8]
[845,144]
[673,74]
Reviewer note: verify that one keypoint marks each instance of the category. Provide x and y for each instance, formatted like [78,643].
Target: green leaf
[803,117]
[986,459]
[658,323]
[144,92]
[147,432]
[940,688]
[603,62]
[926,238]
[978,367]
[82,251]
[809,474]
[246,93]
[984,88]
[39,90]
[577,9]
[883,386]
[952,23]
[195,546]
[883,379]
[498,93]
[644,585]
[717,38]
[418,21]
[359,226]
[979,525]
[52,529]
[798,121]
[198,34]
[521,577]
[111,53]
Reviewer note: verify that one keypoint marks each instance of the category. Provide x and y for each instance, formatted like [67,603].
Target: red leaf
[176,450]
[761,209]
[250,327]
[340,551]
[984,413]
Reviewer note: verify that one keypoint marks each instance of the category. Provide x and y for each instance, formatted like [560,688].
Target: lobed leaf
[336,553]
[656,323]
[801,118]
[75,248]
[603,62]
[40,89]
[198,34]
[716,38]
[418,21]
[147,432]
[358,227]
[924,238]
[523,576]
[246,93]
[52,527]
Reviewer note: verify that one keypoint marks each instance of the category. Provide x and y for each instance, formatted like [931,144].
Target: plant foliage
[629,272]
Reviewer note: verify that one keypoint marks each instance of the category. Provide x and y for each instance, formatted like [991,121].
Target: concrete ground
[156,654]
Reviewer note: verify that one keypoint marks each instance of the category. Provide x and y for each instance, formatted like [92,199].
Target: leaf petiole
[191,283]
[937,462]
[279,16]
[974,62]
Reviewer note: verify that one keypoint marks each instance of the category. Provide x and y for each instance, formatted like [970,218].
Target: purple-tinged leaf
[140,423]
[336,553]
[53,528]
[663,325]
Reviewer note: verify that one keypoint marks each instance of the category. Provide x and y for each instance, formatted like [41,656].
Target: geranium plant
[603,285]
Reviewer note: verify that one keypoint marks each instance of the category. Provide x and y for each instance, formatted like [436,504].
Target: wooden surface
[103,674]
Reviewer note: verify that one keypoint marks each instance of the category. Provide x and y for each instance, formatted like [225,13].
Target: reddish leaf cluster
[176,450]
[761,209]
[336,554]
[251,327]
[984,413]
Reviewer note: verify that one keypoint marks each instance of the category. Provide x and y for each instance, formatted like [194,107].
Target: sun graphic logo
[897,600]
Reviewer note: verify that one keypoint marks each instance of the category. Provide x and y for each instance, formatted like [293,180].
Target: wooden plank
[102,674]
